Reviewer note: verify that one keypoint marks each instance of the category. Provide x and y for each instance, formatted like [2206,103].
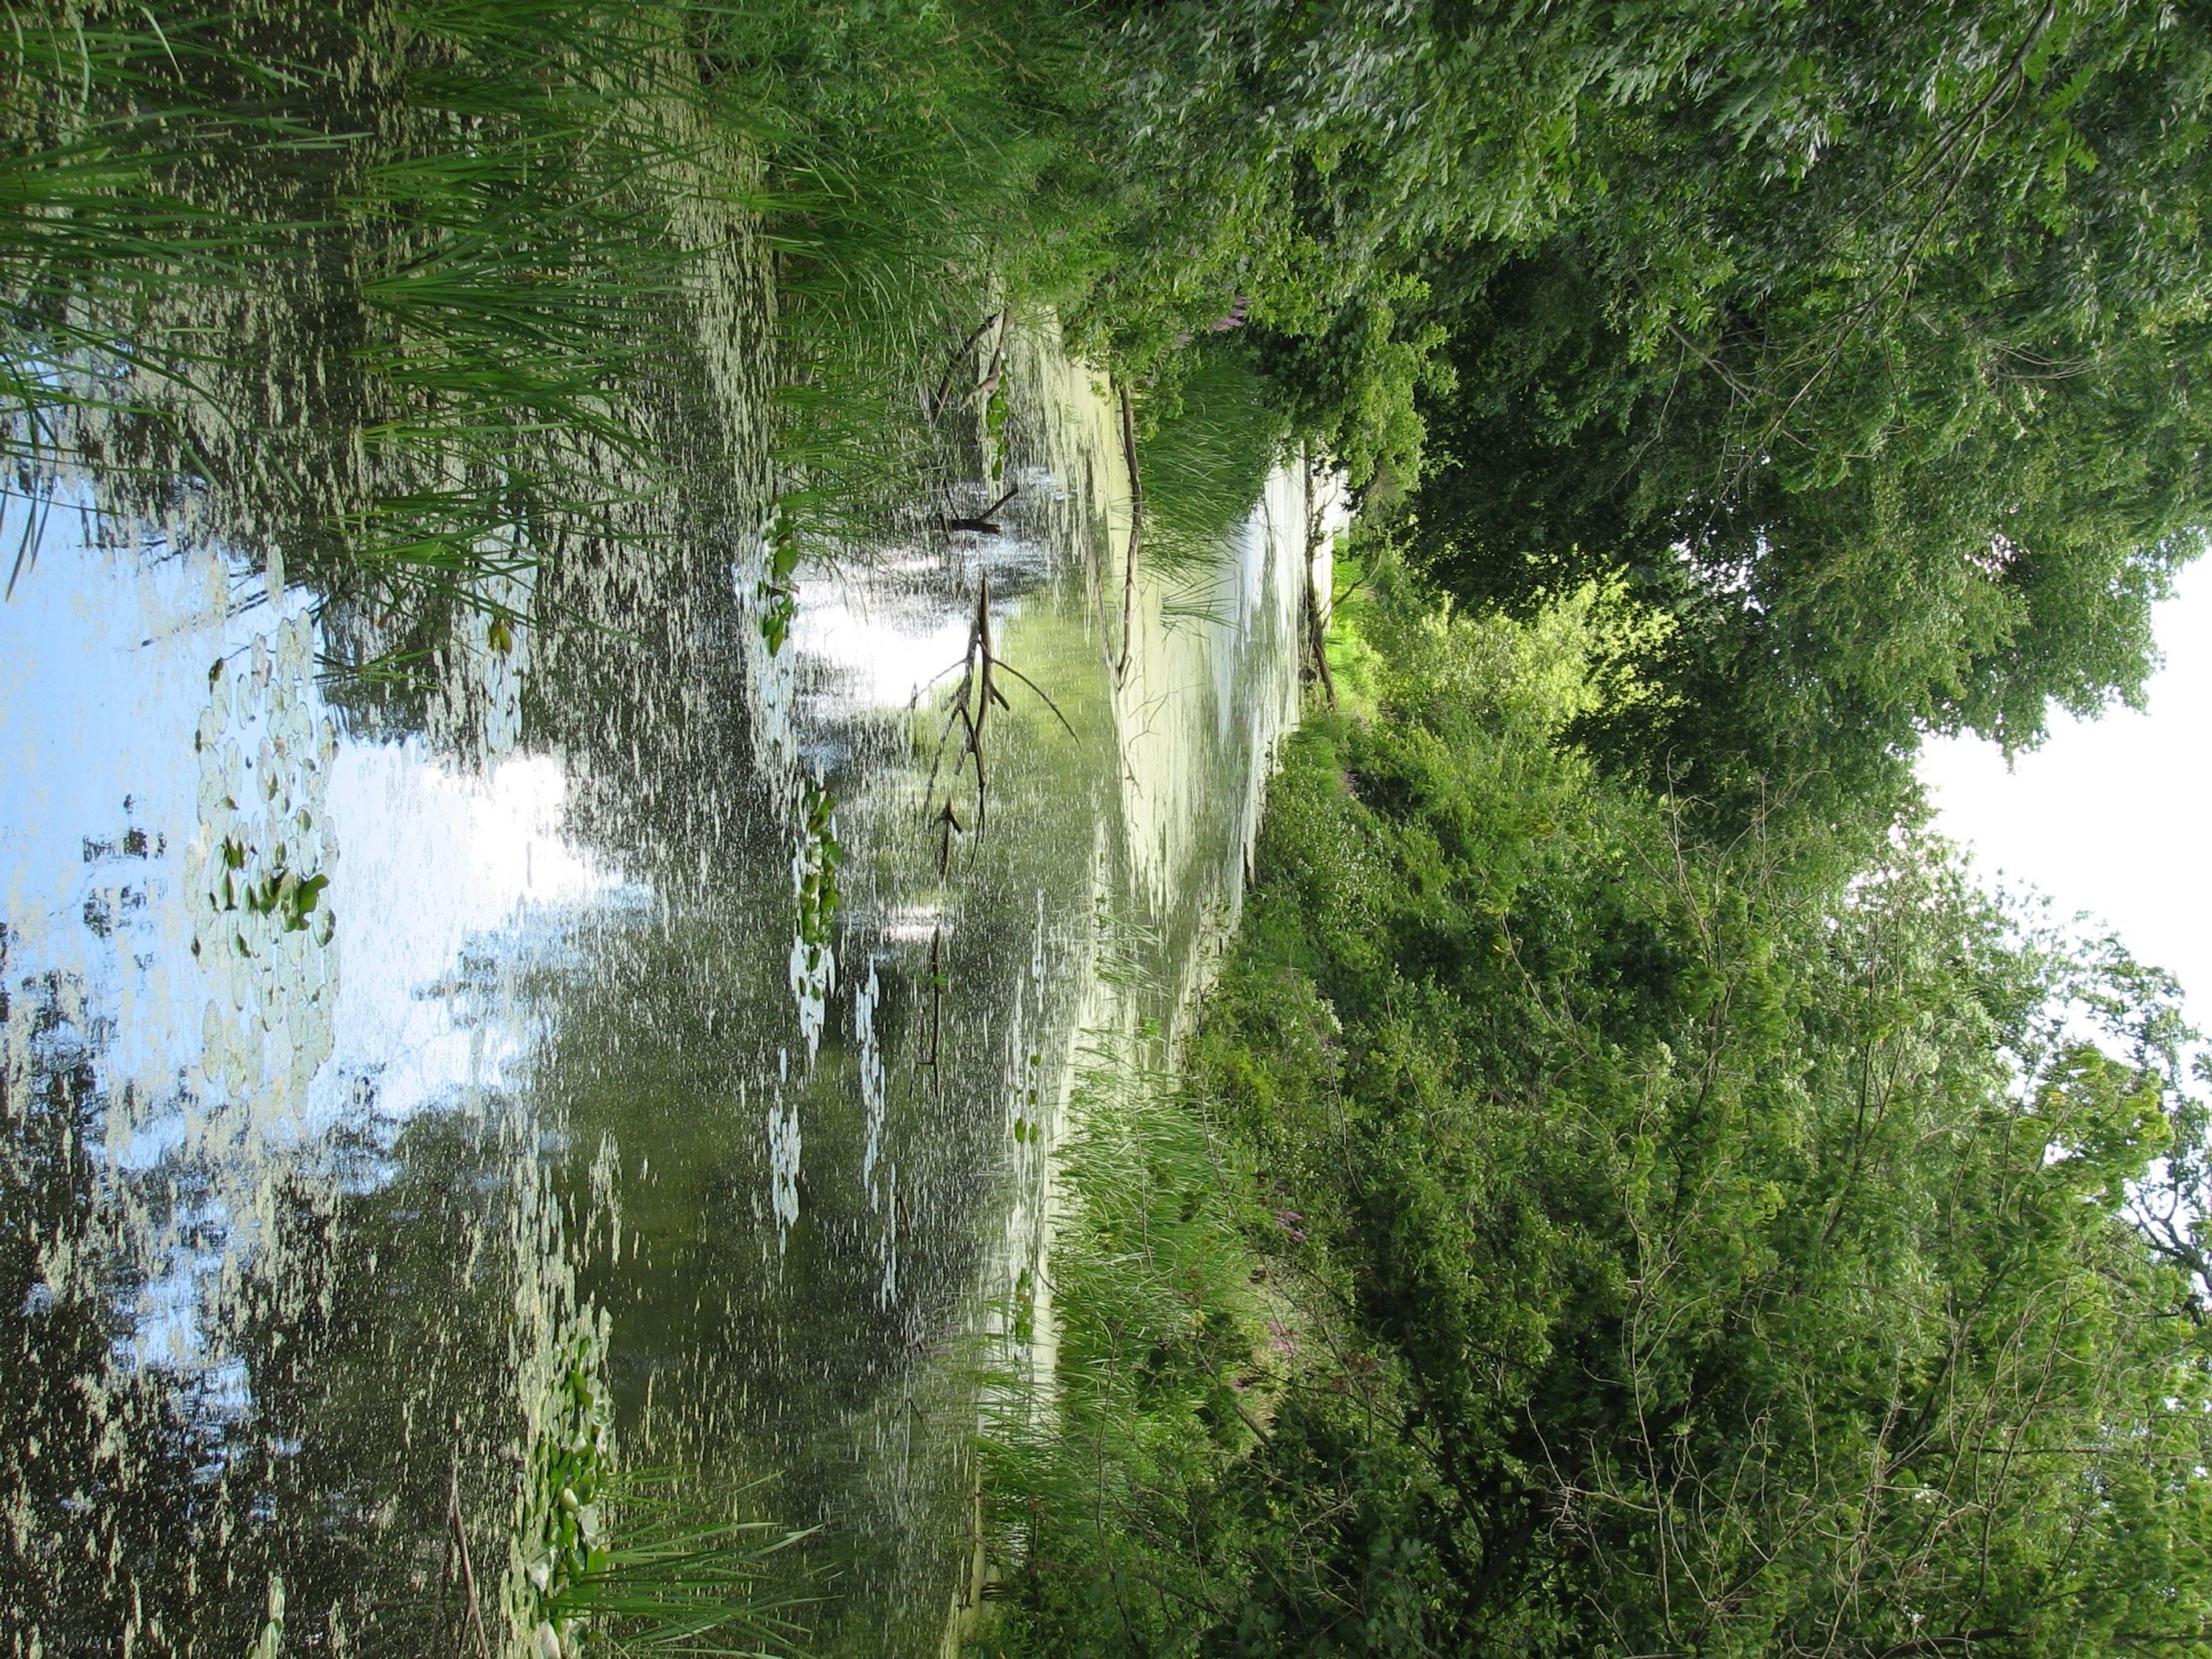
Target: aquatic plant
[624,1562]
[561,1540]
[814,867]
[1206,442]
[668,1581]
[279,890]
[776,599]
[1166,1372]
[271,1642]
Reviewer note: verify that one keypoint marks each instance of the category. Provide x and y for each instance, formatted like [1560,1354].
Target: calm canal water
[410,1078]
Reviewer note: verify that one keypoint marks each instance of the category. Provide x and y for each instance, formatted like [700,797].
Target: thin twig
[1136,532]
[468,1571]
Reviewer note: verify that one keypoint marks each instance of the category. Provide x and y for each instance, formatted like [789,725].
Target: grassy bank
[407,300]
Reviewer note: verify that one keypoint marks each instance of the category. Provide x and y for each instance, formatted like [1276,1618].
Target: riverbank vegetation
[1865,350]
[1572,1233]
[1631,1191]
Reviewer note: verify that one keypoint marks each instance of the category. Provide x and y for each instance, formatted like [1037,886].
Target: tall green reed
[488,215]
[464,233]
[670,1581]
[1161,1371]
[1209,442]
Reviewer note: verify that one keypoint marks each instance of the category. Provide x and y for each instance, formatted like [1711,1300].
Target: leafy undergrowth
[1204,1406]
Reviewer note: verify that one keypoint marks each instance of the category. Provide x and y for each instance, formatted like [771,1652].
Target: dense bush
[1687,1248]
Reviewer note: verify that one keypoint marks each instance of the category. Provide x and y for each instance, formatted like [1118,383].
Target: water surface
[387,1050]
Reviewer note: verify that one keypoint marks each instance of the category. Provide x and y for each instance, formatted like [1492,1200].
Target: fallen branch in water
[980,524]
[1136,532]
[934,405]
[1316,624]
[977,694]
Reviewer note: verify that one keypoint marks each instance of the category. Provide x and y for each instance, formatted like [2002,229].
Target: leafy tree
[1877,362]
[1865,339]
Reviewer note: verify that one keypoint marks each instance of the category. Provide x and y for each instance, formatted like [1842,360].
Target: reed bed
[1167,1364]
[416,281]
[1210,441]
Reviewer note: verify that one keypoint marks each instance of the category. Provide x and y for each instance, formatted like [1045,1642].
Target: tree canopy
[1868,341]
[1909,433]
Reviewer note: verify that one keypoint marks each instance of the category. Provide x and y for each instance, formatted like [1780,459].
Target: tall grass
[1167,1367]
[407,252]
[670,1581]
[615,1561]
[428,271]
[917,168]
[1211,442]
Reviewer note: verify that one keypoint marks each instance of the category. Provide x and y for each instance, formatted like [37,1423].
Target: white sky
[2109,816]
